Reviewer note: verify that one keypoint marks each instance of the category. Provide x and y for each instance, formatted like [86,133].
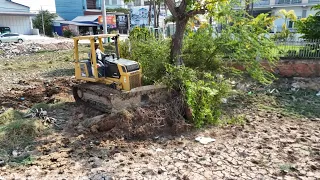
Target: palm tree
[287,15]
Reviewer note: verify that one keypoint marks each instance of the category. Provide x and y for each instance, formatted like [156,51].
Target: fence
[300,49]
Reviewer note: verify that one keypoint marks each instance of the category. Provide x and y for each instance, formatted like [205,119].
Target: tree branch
[195,12]
[171,6]
[183,6]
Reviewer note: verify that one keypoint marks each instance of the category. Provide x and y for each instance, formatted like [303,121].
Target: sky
[35,5]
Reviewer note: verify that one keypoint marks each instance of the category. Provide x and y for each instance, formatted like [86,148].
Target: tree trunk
[158,13]
[166,10]
[177,39]
[149,14]
[155,18]
[154,14]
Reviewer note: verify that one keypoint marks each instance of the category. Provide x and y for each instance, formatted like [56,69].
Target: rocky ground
[277,136]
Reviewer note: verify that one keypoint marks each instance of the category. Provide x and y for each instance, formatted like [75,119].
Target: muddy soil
[269,144]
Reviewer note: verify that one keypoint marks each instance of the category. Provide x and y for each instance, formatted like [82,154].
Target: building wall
[6,6]
[115,4]
[69,9]
[17,24]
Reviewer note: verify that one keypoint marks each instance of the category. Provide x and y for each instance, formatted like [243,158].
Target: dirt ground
[278,136]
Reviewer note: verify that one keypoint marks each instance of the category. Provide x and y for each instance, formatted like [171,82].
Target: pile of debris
[8,50]
[137,123]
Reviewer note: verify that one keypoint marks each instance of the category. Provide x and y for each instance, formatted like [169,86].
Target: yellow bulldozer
[111,83]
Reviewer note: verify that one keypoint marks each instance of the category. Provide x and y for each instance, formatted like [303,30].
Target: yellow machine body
[111,83]
[122,78]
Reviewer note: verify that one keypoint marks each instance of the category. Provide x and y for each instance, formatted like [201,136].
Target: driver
[99,53]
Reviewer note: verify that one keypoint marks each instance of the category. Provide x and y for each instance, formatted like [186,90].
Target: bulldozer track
[99,91]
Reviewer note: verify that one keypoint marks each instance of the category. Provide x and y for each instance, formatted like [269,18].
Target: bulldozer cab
[109,69]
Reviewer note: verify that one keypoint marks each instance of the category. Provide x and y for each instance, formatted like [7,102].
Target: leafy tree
[121,10]
[243,40]
[208,57]
[310,26]
[316,7]
[47,20]
[181,14]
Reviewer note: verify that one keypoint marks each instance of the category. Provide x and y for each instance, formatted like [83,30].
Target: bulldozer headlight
[133,67]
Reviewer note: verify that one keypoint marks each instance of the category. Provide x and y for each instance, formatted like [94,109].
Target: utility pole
[104,16]
[44,32]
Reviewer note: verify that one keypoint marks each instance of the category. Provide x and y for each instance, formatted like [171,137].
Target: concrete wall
[17,24]
[69,9]
[6,6]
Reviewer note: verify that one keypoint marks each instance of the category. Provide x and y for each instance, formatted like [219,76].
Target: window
[114,2]
[137,2]
[4,30]
[146,3]
[107,2]
[304,13]
[7,35]
[98,4]
[290,24]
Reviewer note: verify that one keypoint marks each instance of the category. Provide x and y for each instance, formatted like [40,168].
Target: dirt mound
[138,123]
[35,93]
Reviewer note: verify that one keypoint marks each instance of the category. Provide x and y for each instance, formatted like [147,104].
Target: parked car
[4,30]
[11,37]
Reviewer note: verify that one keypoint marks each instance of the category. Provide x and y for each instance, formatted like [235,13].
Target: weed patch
[20,133]
[9,116]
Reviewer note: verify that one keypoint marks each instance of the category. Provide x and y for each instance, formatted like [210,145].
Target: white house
[15,16]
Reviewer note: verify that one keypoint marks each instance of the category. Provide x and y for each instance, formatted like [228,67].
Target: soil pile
[30,93]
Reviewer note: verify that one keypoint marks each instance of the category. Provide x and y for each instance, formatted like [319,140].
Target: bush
[16,131]
[203,56]
[150,53]
[202,92]
[109,48]
[292,53]
[124,49]
[309,27]
[140,34]
[19,133]
[9,116]
[245,43]
[68,33]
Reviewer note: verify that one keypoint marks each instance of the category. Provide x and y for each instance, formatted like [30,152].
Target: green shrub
[20,133]
[200,50]
[9,116]
[68,33]
[151,54]
[202,92]
[244,43]
[140,34]
[109,48]
[124,49]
